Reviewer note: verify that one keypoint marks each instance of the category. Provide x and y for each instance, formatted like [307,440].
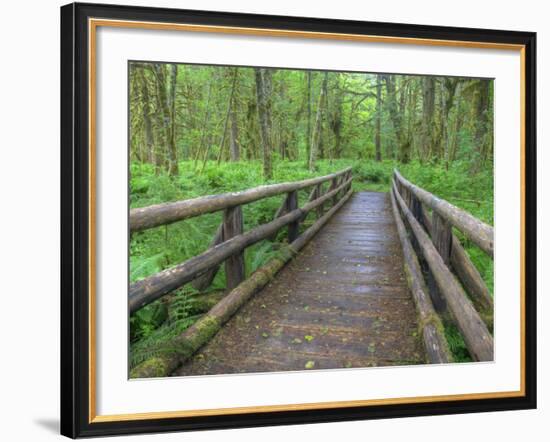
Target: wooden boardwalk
[342,302]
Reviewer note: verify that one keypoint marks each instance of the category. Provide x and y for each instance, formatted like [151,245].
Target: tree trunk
[336,120]
[230,110]
[481,137]
[263,116]
[204,129]
[165,118]
[308,134]
[396,116]
[428,106]
[173,152]
[234,140]
[147,125]
[447,98]
[459,117]
[315,136]
[377,144]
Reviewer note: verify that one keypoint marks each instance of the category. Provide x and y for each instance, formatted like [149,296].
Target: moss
[151,368]
[178,350]
[433,319]
[204,302]
[197,336]
[409,277]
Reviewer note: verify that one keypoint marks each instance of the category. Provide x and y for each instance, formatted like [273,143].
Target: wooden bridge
[365,285]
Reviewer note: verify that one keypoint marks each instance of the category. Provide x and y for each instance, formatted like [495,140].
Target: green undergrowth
[159,248]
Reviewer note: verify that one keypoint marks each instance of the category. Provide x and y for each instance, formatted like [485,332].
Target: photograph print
[295,220]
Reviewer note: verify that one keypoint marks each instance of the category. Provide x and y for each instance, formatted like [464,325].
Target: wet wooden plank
[342,302]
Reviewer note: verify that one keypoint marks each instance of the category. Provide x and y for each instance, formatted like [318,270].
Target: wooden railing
[441,251]
[230,240]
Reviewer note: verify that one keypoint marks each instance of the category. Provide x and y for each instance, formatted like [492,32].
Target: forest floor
[156,249]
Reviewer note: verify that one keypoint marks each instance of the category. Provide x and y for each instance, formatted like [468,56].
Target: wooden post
[204,281]
[312,197]
[415,206]
[417,210]
[334,185]
[234,265]
[320,210]
[292,204]
[468,274]
[281,211]
[442,237]
[345,177]
[441,232]
[407,197]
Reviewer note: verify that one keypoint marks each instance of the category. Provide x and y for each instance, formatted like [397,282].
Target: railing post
[442,237]
[344,179]
[416,208]
[319,191]
[312,197]
[234,265]
[334,185]
[292,204]
[204,281]
[417,211]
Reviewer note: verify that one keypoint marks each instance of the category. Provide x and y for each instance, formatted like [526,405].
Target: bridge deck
[342,302]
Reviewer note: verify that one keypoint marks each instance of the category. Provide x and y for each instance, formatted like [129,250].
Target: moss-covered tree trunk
[316,134]
[428,106]
[262,89]
[397,116]
[377,142]
[172,145]
[147,124]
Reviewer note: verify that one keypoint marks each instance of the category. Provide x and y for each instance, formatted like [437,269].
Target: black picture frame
[75,220]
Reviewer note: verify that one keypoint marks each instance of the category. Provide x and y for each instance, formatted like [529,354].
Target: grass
[156,249]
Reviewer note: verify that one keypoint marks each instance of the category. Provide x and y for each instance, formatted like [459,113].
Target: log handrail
[477,231]
[437,350]
[206,327]
[437,253]
[478,339]
[159,214]
[147,290]
[467,272]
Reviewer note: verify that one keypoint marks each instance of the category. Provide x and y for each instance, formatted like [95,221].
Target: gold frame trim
[93,24]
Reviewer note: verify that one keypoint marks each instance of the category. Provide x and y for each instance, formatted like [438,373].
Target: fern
[158,342]
[141,267]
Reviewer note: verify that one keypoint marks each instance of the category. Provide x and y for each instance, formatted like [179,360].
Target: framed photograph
[274,220]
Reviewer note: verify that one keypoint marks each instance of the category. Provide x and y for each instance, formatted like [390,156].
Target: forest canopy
[182,112]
